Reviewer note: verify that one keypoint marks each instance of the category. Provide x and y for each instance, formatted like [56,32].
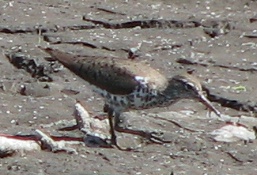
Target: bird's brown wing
[116,76]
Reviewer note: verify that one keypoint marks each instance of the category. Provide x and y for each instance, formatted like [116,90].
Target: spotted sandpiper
[128,84]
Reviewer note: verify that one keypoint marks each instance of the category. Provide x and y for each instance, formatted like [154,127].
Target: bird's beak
[208,104]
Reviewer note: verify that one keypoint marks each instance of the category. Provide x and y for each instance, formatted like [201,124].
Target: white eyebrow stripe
[191,84]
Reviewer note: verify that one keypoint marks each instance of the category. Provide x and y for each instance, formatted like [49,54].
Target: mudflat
[215,40]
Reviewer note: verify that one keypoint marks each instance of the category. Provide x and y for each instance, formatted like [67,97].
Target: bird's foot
[125,149]
[115,143]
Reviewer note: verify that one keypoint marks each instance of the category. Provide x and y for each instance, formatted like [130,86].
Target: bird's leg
[111,114]
[106,108]
[112,132]
[120,126]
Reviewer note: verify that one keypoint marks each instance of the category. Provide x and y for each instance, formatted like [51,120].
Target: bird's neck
[173,92]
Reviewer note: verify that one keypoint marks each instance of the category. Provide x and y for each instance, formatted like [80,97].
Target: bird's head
[187,86]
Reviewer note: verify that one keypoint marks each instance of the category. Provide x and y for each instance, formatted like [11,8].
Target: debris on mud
[42,72]
[94,135]
[233,132]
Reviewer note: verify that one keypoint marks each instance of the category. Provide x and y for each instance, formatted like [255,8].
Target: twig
[48,143]
[179,125]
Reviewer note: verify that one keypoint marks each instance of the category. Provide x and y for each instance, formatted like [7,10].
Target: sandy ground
[226,64]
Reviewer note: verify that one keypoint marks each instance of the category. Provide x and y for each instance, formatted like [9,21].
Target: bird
[127,84]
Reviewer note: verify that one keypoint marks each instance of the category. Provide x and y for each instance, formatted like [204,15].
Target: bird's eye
[189,86]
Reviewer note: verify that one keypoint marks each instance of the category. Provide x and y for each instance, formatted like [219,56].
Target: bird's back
[116,76]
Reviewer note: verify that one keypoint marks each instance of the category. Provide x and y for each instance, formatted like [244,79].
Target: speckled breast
[140,98]
[143,97]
